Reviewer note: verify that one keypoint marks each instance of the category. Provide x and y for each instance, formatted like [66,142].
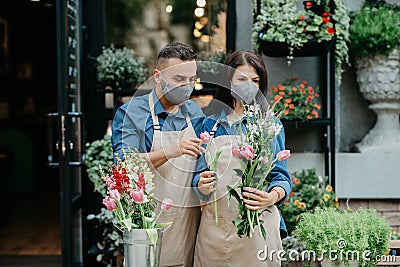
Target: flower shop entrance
[30,221]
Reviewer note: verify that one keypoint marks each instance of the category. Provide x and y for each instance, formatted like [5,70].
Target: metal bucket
[139,250]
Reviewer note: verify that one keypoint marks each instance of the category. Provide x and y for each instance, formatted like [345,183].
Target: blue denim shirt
[132,126]
[279,176]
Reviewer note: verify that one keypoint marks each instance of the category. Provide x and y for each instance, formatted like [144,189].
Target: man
[163,125]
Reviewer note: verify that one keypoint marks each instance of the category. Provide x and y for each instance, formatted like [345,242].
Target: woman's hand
[207,182]
[258,199]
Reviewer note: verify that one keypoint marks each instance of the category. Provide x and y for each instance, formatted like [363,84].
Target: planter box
[278,49]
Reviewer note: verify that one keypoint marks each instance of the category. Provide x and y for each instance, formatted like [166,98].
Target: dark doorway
[28,91]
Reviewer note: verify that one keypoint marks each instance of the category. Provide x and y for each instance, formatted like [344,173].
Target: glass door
[65,129]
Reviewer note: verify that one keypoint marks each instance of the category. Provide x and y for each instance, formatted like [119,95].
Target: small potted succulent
[120,68]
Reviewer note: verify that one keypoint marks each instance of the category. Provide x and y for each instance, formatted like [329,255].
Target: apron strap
[156,124]
[189,122]
[214,129]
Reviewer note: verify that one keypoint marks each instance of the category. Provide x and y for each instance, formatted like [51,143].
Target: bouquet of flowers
[130,193]
[297,101]
[256,154]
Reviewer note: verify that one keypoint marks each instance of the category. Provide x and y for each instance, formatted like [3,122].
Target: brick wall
[390,209]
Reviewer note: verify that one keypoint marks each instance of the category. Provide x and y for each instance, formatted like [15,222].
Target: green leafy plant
[207,62]
[111,247]
[375,29]
[296,100]
[308,192]
[346,236]
[118,67]
[280,21]
[98,155]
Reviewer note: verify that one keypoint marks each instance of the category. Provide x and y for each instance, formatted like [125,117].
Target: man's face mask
[244,92]
[176,94]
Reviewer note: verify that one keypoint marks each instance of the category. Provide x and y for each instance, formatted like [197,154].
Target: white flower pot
[379,81]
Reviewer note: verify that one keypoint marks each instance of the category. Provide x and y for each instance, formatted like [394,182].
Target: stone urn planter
[379,81]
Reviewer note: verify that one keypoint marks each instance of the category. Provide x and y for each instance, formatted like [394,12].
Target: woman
[220,245]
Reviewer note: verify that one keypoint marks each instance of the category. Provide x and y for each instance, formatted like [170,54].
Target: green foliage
[211,63]
[98,153]
[112,244]
[308,192]
[279,21]
[120,15]
[120,66]
[347,234]
[375,30]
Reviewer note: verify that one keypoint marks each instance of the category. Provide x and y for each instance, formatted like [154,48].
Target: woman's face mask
[245,92]
[176,94]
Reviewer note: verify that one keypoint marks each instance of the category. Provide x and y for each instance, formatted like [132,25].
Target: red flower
[141,183]
[325,14]
[326,20]
[301,17]
[331,30]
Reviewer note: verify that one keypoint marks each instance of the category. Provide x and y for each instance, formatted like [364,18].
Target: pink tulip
[138,195]
[166,204]
[247,152]
[205,137]
[109,202]
[283,155]
[236,151]
[115,194]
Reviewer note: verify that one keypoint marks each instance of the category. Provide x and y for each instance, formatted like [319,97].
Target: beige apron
[173,180]
[219,246]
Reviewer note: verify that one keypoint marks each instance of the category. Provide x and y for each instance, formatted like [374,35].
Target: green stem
[155,220]
[250,222]
[143,218]
[258,223]
[216,208]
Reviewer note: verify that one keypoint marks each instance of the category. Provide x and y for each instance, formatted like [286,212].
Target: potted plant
[109,248]
[356,238]
[308,192]
[308,32]
[297,100]
[119,68]
[374,35]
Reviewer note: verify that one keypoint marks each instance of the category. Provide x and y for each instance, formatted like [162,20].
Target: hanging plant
[280,21]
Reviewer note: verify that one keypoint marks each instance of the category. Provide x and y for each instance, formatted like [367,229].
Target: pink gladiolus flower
[247,152]
[205,137]
[110,183]
[166,204]
[236,151]
[283,155]
[138,195]
[109,202]
[115,194]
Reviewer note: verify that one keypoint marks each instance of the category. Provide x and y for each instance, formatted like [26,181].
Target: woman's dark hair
[234,60]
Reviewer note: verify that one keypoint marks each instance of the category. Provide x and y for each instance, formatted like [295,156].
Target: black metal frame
[328,118]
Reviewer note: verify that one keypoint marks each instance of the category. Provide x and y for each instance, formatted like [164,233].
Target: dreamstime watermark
[329,254]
